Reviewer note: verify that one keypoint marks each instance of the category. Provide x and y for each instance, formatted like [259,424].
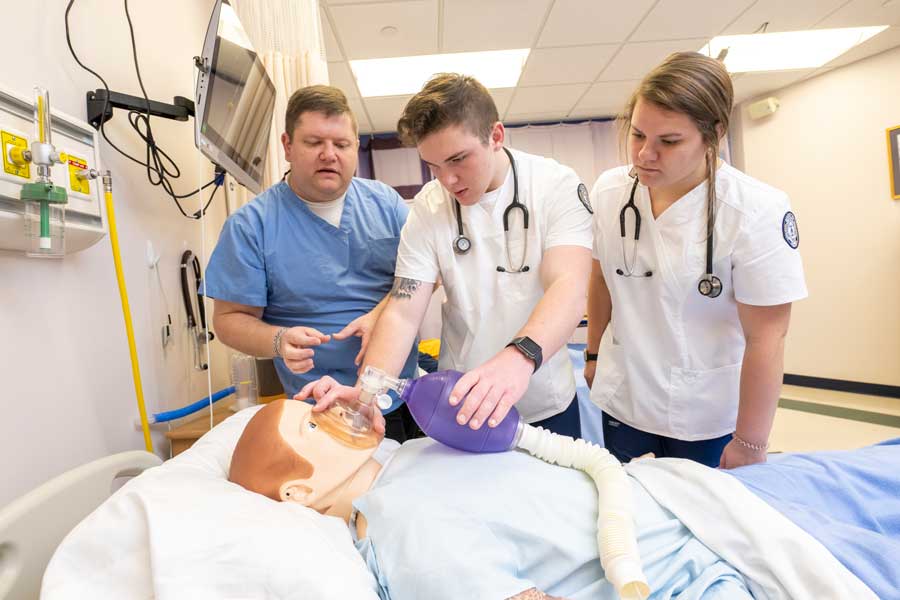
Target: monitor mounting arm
[180,110]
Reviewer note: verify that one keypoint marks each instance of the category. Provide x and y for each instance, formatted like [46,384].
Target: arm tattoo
[404,288]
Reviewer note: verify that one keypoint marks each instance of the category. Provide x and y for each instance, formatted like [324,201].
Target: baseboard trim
[843,385]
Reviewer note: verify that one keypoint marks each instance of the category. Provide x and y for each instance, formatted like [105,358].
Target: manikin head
[454,124]
[291,454]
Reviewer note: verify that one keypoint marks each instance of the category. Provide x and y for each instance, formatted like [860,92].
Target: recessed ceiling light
[389,31]
[786,50]
[407,74]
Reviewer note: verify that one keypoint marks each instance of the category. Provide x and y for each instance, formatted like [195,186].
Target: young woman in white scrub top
[695,269]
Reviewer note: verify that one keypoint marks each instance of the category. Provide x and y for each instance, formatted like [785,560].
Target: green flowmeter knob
[43,192]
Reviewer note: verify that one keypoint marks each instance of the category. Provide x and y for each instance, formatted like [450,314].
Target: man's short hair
[448,99]
[317,98]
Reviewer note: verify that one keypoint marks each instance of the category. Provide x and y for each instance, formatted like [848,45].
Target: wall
[826,147]
[68,395]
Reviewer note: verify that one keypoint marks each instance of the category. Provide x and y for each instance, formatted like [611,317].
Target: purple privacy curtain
[383,157]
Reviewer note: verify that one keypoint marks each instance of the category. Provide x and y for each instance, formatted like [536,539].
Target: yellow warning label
[76,184]
[9,141]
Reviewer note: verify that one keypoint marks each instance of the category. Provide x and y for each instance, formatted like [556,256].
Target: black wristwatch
[588,357]
[529,348]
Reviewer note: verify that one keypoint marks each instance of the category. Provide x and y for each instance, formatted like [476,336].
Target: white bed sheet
[182,530]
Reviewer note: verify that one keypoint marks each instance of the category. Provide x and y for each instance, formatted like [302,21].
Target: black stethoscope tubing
[709,285]
[187,259]
[462,244]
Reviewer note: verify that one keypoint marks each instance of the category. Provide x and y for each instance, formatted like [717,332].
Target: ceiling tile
[861,13]
[545,99]
[574,22]
[535,117]
[501,98]
[332,50]
[753,85]
[678,19]
[782,16]
[636,59]
[606,97]
[359,28]
[385,111]
[577,64]
[887,39]
[340,76]
[472,25]
[593,113]
[359,112]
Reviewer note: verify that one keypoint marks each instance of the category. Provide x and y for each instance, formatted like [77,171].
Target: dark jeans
[399,425]
[626,442]
[568,422]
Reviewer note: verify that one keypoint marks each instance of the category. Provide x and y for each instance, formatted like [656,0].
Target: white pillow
[182,530]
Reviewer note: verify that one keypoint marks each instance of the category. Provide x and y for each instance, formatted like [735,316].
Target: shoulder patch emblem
[789,230]
[585,199]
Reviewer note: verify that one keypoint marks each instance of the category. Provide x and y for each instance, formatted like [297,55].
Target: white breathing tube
[616,536]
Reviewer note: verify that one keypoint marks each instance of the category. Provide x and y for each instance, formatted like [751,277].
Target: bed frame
[34,525]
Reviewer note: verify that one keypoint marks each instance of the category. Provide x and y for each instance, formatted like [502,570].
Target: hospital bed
[183,531]
[33,526]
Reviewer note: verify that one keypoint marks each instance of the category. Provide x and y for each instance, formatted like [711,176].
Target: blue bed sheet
[591,415]
[848,500]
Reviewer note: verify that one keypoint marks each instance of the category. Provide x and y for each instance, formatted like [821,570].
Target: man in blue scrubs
[301,272]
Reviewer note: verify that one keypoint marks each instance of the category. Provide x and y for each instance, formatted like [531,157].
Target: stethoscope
[709,285]
[462,244]
[200,333]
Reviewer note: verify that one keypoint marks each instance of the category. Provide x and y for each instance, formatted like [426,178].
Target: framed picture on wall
[893,142]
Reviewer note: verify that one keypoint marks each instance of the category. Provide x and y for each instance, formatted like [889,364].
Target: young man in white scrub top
[508,235]
[695,269]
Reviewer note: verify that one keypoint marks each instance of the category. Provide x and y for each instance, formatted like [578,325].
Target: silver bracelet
[747,444]
[276,341]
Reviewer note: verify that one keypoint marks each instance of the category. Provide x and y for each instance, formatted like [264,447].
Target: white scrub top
[486,308]
[670,361]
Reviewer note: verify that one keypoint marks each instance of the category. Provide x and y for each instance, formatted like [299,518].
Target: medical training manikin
[326,461]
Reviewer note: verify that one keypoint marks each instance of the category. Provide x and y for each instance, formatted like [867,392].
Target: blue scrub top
[276,253]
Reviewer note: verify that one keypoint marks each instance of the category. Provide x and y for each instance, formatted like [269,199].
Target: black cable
[202,212]
[158,172]
[105,86]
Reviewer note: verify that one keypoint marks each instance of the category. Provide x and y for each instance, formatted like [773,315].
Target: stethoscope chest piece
[710,286]
[462,244]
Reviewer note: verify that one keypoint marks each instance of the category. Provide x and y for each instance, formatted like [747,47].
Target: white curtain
[287,35]
[589,148]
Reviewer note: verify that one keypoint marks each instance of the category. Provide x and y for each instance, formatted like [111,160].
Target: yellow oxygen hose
[126,311]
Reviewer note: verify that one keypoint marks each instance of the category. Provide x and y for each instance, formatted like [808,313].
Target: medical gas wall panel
[85,214]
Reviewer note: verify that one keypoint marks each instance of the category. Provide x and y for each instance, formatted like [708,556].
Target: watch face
[528,345]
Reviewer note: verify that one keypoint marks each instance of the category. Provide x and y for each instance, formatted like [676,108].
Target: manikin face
[335,462]
[665,147]
[323,155]
[463,164]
